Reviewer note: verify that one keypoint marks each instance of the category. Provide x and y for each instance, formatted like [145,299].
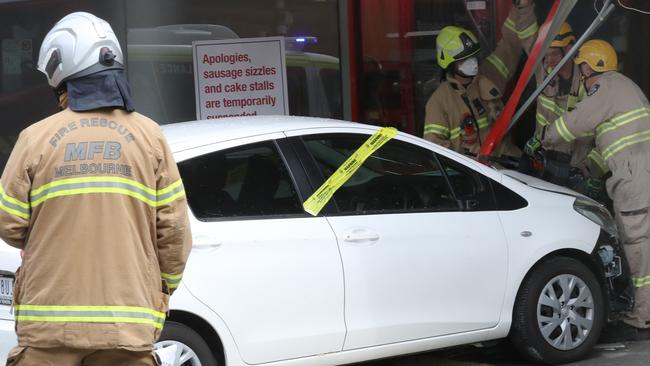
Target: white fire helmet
[78,45]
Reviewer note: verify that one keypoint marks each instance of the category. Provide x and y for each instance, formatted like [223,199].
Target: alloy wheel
[565,312]
[184,355]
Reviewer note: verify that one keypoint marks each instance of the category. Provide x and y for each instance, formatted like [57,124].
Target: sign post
[240,77]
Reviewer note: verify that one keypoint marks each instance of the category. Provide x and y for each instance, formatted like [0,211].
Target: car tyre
[549,326]
[194,350]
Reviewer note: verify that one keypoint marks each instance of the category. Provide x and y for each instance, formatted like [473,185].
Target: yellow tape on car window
[319,199]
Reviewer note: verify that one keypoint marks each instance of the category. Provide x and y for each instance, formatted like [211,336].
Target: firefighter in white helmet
[617,113]
[94,198]
[460,113]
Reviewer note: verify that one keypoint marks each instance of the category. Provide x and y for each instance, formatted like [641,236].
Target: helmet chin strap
[61,95]
[584,79]
[63,100]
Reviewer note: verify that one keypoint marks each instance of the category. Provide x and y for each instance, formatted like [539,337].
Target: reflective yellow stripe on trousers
[641,281]
[127,187]
[90,314]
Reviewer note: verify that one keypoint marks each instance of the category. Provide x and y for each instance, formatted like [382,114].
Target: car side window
[472,189]
[507,200]
[397,178]
[250,180]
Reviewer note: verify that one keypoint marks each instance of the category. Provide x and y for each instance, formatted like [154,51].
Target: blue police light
[299,43]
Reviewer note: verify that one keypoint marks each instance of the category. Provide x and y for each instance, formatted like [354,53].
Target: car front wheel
[559,312]
[183,346]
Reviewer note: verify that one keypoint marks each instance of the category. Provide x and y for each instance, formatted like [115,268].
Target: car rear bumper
[7,339]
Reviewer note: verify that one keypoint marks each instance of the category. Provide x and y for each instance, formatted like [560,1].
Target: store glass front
[370,61]
[156,38]
[395,62]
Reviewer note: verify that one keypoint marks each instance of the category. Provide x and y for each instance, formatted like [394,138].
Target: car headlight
[597,213]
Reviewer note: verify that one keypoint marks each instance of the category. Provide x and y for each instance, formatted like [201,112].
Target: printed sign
[240,77]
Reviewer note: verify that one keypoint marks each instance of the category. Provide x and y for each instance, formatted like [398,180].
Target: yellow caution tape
[319,199]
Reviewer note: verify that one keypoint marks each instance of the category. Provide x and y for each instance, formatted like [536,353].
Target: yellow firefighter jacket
[96,201]
[452,103]
[552,103]
[617,114]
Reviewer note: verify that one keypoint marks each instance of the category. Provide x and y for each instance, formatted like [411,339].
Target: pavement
[614,354]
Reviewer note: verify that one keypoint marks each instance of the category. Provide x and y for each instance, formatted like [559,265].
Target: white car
[420,249]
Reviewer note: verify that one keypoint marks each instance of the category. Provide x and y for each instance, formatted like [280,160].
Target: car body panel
[7,338]
[284,281]
[9,262]
[548,233]
[407,284]
[276,295]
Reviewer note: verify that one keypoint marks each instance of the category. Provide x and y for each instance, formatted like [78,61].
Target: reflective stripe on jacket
[552,103]
[617,113]
[96,201]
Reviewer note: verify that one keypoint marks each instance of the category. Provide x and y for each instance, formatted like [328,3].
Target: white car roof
[187,135]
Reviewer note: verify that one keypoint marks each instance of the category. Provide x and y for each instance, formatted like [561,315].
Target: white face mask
[469,67]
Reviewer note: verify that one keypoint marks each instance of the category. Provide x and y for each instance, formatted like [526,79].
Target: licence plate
[6,290]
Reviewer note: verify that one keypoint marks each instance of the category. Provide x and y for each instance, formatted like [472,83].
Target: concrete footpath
[615,354]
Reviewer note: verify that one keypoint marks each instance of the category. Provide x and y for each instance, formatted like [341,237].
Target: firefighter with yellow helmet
[565,90]
[561,95]
[460,113]
[617,113]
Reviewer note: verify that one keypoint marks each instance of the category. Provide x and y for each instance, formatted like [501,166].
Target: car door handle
[360,236]
[205,243]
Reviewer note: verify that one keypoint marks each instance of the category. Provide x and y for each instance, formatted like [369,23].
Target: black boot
[622,332]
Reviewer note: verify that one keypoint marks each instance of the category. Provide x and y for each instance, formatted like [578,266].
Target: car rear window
[244,181]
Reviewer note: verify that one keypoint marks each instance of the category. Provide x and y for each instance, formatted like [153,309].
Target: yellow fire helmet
[599,55]
[564,37]
[454,44]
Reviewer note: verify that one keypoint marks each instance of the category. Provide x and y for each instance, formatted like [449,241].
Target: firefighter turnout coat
[552,103]
[617,113]
[96,201]
[449,107]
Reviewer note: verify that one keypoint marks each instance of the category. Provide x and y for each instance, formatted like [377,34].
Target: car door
[420,260]
[270,271]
